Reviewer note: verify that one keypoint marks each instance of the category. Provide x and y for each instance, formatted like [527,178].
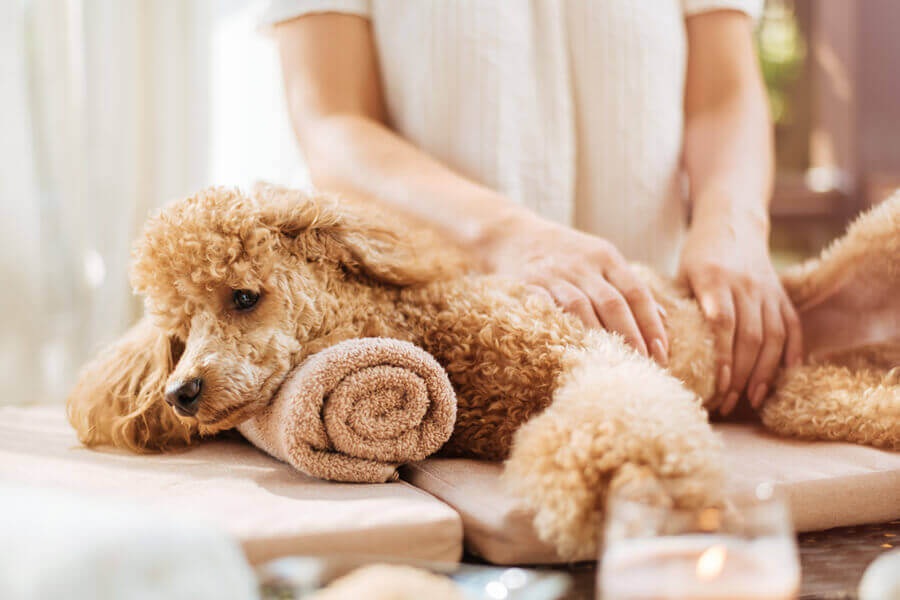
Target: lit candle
[698,566]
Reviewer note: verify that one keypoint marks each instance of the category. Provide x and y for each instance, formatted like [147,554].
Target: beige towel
[358,410]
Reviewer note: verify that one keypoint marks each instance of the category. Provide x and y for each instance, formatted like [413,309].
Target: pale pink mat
[827,485]
[271,508]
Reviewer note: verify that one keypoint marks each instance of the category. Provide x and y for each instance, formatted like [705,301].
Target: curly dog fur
[571,411]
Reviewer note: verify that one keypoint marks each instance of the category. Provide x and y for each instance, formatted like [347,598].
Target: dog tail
[614,410]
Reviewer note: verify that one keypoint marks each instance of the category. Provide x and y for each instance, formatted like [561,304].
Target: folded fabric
[358,410]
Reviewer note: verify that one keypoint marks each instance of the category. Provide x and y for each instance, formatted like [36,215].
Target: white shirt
[574,109]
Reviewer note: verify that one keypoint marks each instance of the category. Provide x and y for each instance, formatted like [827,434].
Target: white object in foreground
[881,581]
[55,544]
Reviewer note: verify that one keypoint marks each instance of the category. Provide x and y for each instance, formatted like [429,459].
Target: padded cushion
[826,484]
[272,509]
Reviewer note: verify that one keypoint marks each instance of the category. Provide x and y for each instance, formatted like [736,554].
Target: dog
[240,287]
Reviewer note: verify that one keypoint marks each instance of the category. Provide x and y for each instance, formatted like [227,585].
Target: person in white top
[556,139]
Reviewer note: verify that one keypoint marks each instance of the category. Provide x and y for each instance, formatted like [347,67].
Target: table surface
[833,561]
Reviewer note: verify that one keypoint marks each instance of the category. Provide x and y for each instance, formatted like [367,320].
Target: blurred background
[109,108]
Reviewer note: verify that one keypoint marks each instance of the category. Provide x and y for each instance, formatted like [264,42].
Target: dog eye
[244,299]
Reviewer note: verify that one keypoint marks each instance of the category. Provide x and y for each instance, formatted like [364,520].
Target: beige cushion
[826,484]
[272,509]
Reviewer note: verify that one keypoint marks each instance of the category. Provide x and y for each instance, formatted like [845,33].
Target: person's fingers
[574,301]
[747,343]
[793,346]
[774,334]
[717,305]
[614,312]
[645,310]
[538,290]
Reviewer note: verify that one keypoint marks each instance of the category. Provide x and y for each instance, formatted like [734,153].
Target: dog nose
[184,396]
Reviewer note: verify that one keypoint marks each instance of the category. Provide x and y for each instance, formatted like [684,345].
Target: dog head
[235,286]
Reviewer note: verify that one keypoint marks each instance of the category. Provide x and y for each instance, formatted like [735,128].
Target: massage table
[269,507]
[437,505]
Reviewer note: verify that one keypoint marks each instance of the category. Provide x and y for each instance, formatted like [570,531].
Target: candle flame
[711,562]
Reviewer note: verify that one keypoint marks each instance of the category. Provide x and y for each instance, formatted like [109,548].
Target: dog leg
[691,351]
[612,411]
[847,300]
[833,402]
[848,304]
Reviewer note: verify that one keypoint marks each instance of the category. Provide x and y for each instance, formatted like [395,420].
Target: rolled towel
[358,410]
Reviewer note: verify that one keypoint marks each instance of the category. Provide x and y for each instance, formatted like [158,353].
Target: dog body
[239,289]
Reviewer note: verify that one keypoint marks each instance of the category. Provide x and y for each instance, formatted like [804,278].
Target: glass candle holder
[744,550]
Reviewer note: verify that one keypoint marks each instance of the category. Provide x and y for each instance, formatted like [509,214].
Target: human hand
[586,276]
[726,263]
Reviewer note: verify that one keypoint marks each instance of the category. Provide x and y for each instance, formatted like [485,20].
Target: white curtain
[108,109]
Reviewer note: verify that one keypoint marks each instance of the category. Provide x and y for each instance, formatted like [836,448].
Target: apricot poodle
[240,287]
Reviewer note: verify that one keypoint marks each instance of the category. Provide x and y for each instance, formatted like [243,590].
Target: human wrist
[502,231]
[724,211]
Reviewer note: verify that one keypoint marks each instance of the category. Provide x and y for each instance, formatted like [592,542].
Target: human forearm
[728,157]
[728,147]
[361,157]
[357,155]
[338,114]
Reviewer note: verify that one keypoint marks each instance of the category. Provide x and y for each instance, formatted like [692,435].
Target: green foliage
[781,50]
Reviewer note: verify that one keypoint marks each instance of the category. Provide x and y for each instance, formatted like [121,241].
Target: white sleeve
[753,8]
[278,11]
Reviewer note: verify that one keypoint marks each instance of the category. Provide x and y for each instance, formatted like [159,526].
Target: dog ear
[118,398]
[359,236]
